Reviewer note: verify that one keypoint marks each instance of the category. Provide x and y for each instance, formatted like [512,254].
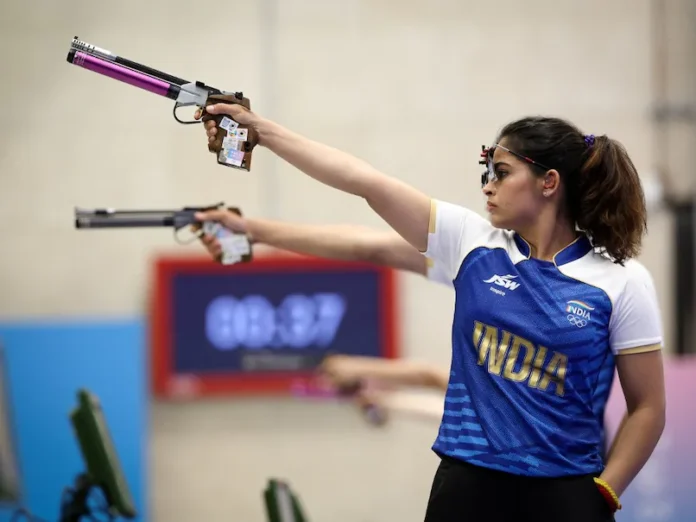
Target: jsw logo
[504,281]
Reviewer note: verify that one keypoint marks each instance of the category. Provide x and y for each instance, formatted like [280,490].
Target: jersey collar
[577,249]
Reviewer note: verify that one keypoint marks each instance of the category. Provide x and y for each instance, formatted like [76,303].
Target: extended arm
[404,208]
[344,242]
[642,382]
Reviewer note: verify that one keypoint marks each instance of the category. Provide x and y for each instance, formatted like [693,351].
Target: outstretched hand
[238,113]
[341,370]
[227,219]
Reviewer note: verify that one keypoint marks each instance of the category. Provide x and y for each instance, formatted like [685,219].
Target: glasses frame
[489,175]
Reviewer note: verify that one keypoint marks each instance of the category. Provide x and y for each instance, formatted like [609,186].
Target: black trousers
[462,492]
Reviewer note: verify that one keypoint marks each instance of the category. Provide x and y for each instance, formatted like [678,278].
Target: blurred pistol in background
[236,247]
[233,148]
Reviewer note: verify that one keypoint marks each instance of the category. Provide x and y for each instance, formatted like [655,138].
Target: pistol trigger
[178,105]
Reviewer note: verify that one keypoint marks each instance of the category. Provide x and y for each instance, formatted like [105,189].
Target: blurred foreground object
[10,493]
[103,469]
[282,505]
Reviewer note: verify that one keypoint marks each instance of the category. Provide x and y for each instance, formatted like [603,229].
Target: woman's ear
[552,182]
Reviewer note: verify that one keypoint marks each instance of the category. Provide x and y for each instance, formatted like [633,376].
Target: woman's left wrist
[610,494]
[613,482]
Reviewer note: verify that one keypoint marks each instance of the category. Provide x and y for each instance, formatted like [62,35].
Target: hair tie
[589,140]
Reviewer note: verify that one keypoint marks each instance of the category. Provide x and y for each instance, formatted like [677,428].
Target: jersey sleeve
[436,274]
[636,323]
[452,231]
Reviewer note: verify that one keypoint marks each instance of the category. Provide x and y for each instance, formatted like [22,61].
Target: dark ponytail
[612,204]
[604,196]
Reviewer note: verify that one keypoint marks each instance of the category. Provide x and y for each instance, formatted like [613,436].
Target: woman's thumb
[208,215]
[223,108]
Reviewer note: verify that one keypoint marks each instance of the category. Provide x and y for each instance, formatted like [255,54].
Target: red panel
[166,384]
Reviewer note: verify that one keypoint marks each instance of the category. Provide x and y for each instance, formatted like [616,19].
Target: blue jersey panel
[531,366]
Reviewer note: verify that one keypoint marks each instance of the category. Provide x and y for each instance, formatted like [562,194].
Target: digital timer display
[253,322]
[268,322]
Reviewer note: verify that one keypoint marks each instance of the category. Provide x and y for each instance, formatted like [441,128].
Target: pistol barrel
[123,74]
[79,45]
[111,218]
[87,48]
[123,222]
[105,62]
[115,219]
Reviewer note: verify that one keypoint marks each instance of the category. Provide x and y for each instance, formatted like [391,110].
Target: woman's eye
[501,174]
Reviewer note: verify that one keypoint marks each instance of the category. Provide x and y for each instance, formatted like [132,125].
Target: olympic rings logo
[576,321]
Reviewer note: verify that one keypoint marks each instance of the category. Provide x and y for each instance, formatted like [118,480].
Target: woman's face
[515,195]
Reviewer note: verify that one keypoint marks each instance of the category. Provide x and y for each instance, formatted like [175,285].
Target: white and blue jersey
[533,344]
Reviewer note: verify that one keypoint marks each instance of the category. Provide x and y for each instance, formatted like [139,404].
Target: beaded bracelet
[608,493]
